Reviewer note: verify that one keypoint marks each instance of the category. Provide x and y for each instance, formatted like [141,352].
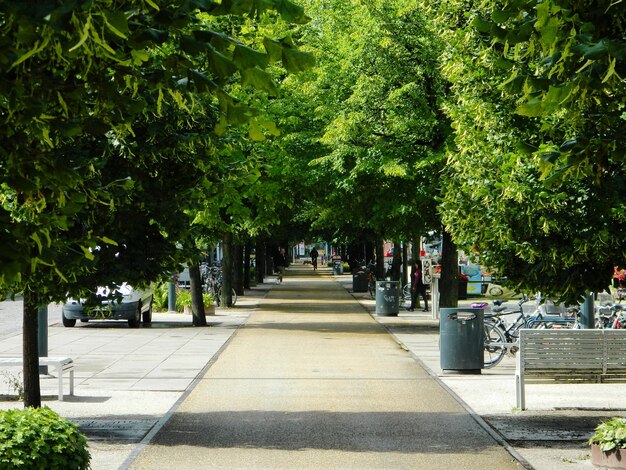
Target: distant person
[280,262]
[314,255]
[417,286]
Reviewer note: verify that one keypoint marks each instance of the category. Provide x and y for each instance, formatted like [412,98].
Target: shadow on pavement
[392,431]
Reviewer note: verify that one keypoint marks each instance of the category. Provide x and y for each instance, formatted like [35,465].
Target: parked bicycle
[501,337]
[212,283]
[609,314]
[610,317]
[406,294]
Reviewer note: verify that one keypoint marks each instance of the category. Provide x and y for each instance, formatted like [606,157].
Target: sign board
[427,271]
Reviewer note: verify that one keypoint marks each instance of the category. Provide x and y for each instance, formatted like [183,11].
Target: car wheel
[147,315]
[68,322]
[134,322]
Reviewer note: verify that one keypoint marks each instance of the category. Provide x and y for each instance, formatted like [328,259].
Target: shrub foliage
[40,438]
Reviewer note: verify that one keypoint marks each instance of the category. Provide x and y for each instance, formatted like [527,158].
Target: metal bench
[569,356]
[62,365]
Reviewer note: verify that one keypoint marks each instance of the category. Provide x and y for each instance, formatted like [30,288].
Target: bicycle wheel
[406,292]
[494,344]
[234,297]
[217,295]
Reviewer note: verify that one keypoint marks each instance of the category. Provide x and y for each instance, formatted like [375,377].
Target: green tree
[363,135]
[77,78]
[536,180]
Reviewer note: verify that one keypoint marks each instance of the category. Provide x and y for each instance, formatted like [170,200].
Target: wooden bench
[553,356]
[62,365]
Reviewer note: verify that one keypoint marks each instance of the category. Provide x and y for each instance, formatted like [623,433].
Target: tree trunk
[227,269]
[30,351]
[246,265]
[269,259]
[260,260]
[397,261]
[380,259]
[405,263]
[197,304]
[238,268]
[449,281]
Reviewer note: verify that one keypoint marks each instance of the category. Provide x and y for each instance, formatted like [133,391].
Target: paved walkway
[313,381]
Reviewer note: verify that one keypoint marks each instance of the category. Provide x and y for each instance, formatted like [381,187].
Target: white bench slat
[62,364]
[569,356]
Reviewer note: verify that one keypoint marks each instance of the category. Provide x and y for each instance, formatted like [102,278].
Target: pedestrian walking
[280,262]
[314,255]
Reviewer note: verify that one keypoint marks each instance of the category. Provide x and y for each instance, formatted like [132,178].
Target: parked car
[133,305]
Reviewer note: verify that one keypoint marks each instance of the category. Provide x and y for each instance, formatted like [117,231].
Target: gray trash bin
[461,343]
[337,267]
[359,282]
[387,298]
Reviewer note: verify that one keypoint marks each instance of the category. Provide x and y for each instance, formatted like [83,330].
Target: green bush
[40,438]
[207,299]
[161,293]
[610,435]
[183,299]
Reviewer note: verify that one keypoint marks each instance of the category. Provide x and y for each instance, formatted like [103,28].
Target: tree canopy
[537,104]
[363,132]
[83,170]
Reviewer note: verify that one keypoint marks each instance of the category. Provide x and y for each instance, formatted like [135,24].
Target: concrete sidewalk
[312,380]
[127,380]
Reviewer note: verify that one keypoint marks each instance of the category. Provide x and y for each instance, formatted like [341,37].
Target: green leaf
[531,108]
[87,252]
[220,41]
[260,80]
[150,35]
[255,132]
[296,61]
[152,4]
[246,57]
[37,240]
[117,23]
[527,148]
[555,97]
[595,52]
[108,241]
[502,16]
[139,56]
[482,25]
[549,32]
[274,49]
[291,12]
[220,65]
[193,47]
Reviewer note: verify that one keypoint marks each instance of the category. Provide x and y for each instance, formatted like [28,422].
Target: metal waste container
[359,281]
[461,343]
[387,298]
[337,267]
